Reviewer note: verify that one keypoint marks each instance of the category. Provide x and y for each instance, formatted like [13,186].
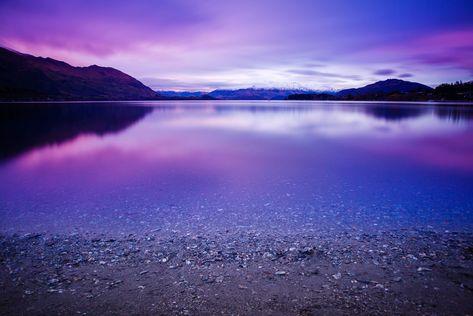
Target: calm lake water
[135,167]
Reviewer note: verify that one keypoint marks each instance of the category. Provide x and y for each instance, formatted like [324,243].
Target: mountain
[255,94]
[181,94]
[387,90]
[312,96]
[383,88]
[237,94]
[184,95]
[26,77]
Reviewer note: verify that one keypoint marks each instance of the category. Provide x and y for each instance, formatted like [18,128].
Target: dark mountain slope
[26,77]
[385,87]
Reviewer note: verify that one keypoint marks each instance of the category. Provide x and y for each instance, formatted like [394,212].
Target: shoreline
[430,102]
[390,272]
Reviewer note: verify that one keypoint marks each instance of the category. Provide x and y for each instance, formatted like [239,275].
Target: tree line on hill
[458,91]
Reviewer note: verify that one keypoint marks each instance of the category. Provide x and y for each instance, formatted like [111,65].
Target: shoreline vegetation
[25,77]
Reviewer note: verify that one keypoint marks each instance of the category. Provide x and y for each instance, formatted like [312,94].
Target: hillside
[26,77]
[383,88]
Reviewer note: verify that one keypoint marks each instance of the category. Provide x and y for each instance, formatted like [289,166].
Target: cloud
[309,72]
[406,75]
[451,48]
[314,65]
[247,42]
[99,28]
[384,72]
[180,85]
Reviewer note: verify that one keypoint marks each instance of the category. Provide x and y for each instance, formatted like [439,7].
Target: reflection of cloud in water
[172,132]
[442,151]
[320,122]
[200,158]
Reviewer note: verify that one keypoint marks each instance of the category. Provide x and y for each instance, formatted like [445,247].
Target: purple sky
[193,45]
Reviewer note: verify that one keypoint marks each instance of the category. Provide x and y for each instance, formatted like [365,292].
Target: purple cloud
[384,72]
[171,84]
[445,48]
[308,72]
[99,27]
[249,42]
[405,75]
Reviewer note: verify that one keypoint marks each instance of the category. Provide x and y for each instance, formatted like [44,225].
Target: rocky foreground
[399,272]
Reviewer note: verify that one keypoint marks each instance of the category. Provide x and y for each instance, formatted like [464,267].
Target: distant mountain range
[181,94]
[397,90]
[26,77]
[256,94]
[238,94]
[387,90]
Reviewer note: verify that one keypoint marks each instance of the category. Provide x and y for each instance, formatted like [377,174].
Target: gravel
[239,272]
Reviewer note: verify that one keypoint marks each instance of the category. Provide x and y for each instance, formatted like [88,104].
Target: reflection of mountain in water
[27,126]
[455,114]
[398,113]
[395,113]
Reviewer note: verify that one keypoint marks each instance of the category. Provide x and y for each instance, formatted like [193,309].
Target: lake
[205,166]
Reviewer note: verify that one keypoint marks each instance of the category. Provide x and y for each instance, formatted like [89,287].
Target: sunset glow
[204,45]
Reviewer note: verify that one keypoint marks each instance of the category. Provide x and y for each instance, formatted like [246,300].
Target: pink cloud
[98,28]
[449,48]
[212,41]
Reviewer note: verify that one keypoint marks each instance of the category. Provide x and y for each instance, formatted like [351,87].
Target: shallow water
[197,167]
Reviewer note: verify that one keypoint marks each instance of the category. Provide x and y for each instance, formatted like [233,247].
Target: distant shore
[440,102]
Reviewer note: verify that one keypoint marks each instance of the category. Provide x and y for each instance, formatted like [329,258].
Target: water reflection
[395,113]
[133,167]
[26,126]
[399,112]
[456,114]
